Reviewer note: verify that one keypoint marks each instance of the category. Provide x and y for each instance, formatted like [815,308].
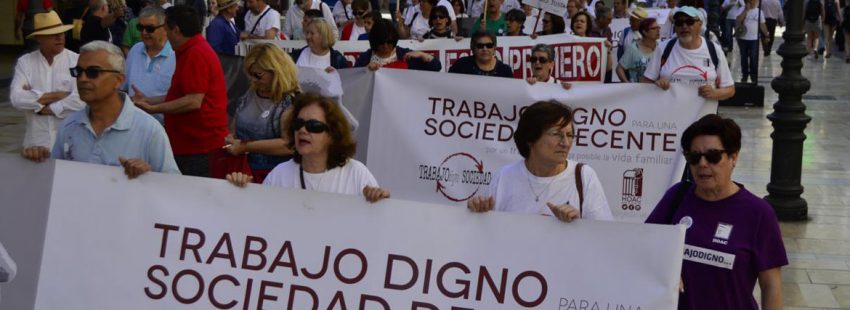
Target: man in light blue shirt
[111,130]
[150,63]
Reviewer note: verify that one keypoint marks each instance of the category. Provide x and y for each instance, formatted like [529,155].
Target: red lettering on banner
[351,57]
[454,55]
[518,60]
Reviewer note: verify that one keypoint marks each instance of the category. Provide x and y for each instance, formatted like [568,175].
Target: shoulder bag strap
[257,23]
[580,189]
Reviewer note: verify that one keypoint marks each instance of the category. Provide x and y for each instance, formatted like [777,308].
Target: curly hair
[342,145]
[714,125]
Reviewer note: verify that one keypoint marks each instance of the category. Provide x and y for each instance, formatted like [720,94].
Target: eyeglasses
[359,13]
[533,59]
[655,28]
[312,126]
[561,135]
[258,75]
[440,16]
[90,72]
[679,22]
[712,156]
[480,46]
[148,29]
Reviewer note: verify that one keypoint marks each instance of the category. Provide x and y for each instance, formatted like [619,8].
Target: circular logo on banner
[686,221]
[461,177]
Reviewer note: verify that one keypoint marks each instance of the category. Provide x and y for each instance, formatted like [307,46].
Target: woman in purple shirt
[732,236]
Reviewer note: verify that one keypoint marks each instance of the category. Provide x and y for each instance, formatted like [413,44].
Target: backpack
[77,30]
[712,51]
[813,8]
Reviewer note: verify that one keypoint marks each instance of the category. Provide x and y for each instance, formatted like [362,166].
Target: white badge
[723,231]
[686,221]
[265,114]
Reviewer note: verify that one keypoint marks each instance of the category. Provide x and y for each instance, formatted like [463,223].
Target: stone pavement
[819,249]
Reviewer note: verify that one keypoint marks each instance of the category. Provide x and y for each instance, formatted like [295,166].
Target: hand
[36,153]
[243,36]
[480,204]
[137,94]
[531,80]
[145,106]
[417,54]
[329,69]
[45,111]
[134,167]
[238,178]
[707,92]
[373,194]
[458,38]
[566,85]
[27,87]
[564,212]
[533,36]
[51,97]
[663,83]
[373,66]
[681,285]
[237,147]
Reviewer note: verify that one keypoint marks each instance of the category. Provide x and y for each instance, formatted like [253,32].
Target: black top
[92,30]
[467,65]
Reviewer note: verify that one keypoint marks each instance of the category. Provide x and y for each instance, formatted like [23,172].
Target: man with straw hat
[42,86]
[222,33]
[631,34]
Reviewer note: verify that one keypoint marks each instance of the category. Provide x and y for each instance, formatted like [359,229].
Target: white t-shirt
[308,59]
[735,10]
[293,23]
[690,67]
[530,20]
[419,26]
[271,20]
[349,179]
[512,190]
[356,31]
[342,15]
[752,22]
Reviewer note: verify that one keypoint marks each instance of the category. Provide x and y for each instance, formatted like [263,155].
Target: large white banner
[576,58]
[441,138]
[174,242]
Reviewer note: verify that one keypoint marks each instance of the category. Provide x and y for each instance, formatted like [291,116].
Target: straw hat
[223,4]
[639,13]
[47,24]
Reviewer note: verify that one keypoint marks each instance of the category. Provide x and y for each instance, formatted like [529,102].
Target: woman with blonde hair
[257,121]
[319,52]
[324,145]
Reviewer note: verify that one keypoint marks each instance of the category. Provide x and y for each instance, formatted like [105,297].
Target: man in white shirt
[261,21]
[477,7]
[42,86]
[733,8]
[292,27]
[7,266]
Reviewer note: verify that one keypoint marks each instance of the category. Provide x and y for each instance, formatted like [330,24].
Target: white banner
[576,58]
[445,138]
[174,242]
[557,7]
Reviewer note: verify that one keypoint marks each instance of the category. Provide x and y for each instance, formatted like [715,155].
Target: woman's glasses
[312,126]
[712,156]
[148,29]
[480,46]
[533,59]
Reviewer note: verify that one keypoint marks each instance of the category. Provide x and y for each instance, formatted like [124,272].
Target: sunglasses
[490,45]
[312,126]
[712,156]
[440,16]
[359,13]
[90,72]
[683,21]
[533,59]
[148,29]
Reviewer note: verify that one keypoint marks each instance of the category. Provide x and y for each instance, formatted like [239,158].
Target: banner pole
[486,6]
[539,13]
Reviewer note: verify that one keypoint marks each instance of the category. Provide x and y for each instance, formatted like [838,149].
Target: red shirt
[198,70]
[24,5]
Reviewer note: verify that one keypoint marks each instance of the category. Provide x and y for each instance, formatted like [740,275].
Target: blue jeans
[727,26]
[749,58]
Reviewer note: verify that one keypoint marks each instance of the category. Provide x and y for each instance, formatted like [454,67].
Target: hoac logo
[632,189]
[459,177]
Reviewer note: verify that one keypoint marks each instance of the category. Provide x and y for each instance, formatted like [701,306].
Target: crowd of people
[160,104]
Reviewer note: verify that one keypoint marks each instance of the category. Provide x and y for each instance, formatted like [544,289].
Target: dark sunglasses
[312,126]
[90,72]
[533,59]
[490,45]
[359,13]
[148,29]
[440,16]
[712,156]
[679,22]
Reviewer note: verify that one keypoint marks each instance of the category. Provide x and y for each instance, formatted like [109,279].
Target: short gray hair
[550,52]
[155,11]
[115,58]
[604,11]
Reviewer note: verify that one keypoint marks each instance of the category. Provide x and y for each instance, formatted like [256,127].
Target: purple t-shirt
[727,243]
